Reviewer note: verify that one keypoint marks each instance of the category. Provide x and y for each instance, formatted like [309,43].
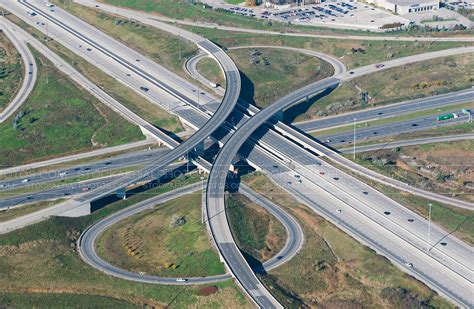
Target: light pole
[143,296]
[429,227]
[354,142]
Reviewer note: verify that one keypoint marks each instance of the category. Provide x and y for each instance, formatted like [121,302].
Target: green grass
[333,268]
[209,68]
[263,84]
[11,71]
[126,96]
[157,243]
[47,249]
[234,1]
[255,230]
[185,10]
[60,119]
[60,300]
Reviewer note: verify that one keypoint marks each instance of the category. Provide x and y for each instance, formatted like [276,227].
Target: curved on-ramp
[29,69]
[86,243]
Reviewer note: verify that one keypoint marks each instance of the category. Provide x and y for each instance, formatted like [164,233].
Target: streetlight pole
[354,142]
[429,227]
[143,296]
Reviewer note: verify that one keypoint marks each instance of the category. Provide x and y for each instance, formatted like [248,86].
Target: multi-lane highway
[29,75]
[410,142]
[390,129]
[367,71]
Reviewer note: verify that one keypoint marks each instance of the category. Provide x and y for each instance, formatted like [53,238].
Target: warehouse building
[406,6]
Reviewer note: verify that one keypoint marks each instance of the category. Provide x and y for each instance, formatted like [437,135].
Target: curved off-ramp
[30,71]
[190,65]
[86,243]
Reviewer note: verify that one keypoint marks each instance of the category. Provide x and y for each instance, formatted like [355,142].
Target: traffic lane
[410,142]
[417,124]
[29,74]
[464,96]
[94,169]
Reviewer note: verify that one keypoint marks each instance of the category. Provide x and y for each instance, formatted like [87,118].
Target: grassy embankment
[47,249]
[11,71]
[440,167]
[59,118]
[126,96]
[257,232]
[334,270]
[157,243]
[184,10]
[209,68]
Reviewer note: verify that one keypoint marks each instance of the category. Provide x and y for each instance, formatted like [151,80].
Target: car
[2,185]
[25,180]
[328,140]
[365,192]
[89,49]
[67,193]
[351,72]
[379,65]
[62,174]
[335,178]
[300,181]
[275,166]
[338,210]
[181,279]
[409,265]
[321,173]
[77,169]
[85,189]
[108,163]
[297,176]
[144,89]
[289,183]
[32,13]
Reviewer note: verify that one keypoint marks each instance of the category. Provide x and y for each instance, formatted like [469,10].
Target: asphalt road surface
[29,74]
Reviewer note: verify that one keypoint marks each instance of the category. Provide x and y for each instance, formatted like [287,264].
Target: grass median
[59,118]
[257,232]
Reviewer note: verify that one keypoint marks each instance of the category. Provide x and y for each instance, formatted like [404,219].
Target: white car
[181,279]
[409,265]
[339,211]
[62,174]
[25,180]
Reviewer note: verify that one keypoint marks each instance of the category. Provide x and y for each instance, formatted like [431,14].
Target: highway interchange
[256,121]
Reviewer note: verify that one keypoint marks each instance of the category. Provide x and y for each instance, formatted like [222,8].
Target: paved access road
[93,3]
[410,142]
[30,72]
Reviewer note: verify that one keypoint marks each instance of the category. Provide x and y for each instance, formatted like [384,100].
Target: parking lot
[334,14]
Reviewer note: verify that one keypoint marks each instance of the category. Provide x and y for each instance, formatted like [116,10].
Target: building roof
[411,2]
